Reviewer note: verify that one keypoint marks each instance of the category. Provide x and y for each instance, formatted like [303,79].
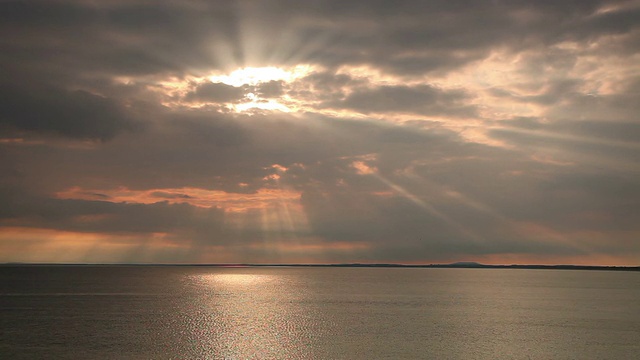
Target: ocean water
[317,313]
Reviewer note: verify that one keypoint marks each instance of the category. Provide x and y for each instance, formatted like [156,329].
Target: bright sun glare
[253,77]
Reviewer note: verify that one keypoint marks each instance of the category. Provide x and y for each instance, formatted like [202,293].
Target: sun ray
[364,169]
[430,209]
[543,134]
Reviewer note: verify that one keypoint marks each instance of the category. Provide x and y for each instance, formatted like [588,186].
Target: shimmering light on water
[243,316]
[317,313]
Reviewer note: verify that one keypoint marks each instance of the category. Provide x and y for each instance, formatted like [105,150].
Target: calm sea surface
[317,313]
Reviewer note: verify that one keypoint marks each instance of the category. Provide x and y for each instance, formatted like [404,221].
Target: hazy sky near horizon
[320,131]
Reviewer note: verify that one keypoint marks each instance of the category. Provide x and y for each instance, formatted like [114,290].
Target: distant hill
[466,264]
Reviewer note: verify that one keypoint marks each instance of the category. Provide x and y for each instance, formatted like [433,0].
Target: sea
[200,312]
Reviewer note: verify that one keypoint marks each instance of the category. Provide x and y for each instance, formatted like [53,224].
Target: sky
[320,131]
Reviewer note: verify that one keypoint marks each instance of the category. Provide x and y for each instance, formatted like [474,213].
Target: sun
[253,76]
[251,79]
[256,88]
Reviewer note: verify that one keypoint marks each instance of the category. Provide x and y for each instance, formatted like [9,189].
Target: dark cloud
[216,92]
[169,195]
[408,38]
[78,114]
[425,99]
[113,218]
[610,22]
[270,89]
[324,87]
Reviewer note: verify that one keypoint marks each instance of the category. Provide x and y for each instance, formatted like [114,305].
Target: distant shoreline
[343,265]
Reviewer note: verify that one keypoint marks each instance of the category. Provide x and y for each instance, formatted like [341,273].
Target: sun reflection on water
[238,314]
[236,279]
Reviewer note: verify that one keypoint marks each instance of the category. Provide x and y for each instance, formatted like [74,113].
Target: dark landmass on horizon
[457,265]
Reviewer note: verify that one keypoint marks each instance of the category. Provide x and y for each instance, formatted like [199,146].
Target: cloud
[77,114]
[216,92]
[21,208]
[169,195]
[398,131]
[271,89]
[425,100]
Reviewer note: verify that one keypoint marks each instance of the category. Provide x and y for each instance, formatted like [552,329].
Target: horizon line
[459,264]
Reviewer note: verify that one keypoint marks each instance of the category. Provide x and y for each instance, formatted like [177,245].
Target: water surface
[317,313]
